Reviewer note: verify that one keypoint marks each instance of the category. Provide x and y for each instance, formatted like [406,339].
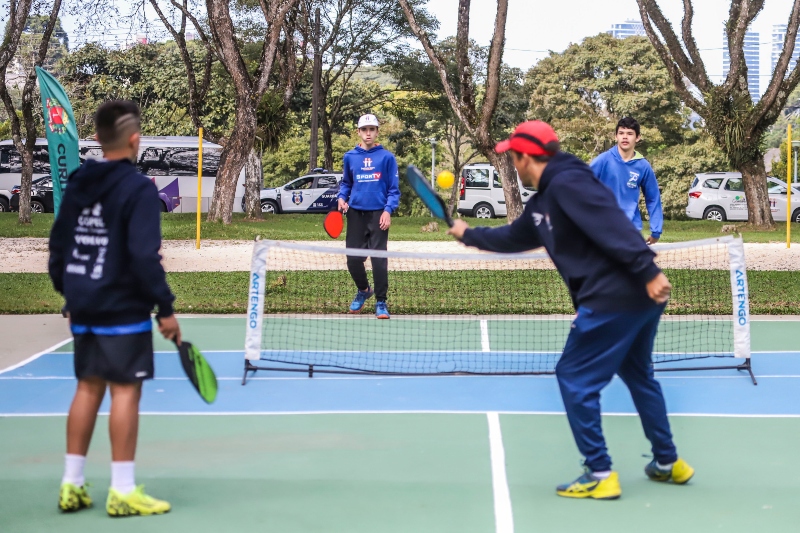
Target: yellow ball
[445,179]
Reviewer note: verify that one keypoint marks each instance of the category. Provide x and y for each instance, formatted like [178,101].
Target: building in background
[628,28]
[751,58]
[778,36]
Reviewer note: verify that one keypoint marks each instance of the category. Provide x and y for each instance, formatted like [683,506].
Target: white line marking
[485,336]
[36,356]
[373,377]
[503,516]
[392,412]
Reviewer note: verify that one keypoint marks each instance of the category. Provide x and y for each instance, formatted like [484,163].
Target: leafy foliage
[586,89]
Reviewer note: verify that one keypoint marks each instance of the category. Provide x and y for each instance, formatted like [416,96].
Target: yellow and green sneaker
[134,503]
[72,498]
[588,486]
[679,473]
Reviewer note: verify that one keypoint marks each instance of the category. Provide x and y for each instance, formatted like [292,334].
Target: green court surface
[405,472]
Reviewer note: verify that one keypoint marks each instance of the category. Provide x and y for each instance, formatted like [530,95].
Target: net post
[255,303]
[741,300]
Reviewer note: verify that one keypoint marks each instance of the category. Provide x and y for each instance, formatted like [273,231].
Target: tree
[354,33]
[736,123]
[250,81]
[584,90]
[463,96]
[19,13]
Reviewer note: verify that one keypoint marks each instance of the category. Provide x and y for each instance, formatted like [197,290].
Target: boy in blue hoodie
[624,170]
[368,195]
[104,259]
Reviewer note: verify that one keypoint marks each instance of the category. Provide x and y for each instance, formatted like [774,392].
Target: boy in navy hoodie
[368,195]
[624,170]
[104,259]
[618,292]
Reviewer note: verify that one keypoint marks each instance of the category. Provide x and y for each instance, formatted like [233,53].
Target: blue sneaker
[358,301]
[380,310]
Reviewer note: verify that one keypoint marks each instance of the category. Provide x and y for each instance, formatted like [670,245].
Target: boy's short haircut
[115,122]
[628,123]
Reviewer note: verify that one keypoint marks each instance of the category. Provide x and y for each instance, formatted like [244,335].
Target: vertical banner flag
[61,132]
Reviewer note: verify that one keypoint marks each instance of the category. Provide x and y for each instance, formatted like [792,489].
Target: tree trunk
[254,180]
[327,141]
[25,182]
[232,160]
[754,177]
[508,174]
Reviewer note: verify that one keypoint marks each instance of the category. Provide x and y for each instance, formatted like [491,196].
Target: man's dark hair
[115,122]
[628,123]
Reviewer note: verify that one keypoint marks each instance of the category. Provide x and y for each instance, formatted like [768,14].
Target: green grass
[180,226]
[469,292]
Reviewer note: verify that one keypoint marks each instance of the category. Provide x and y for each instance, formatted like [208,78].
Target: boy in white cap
[368,195]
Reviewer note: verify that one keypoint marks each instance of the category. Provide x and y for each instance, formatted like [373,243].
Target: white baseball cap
[368,120]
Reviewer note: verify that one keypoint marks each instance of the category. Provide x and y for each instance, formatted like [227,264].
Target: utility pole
[316,75]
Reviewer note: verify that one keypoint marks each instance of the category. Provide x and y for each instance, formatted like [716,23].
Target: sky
[535,27]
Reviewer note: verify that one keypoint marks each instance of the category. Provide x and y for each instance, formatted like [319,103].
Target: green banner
[61,132]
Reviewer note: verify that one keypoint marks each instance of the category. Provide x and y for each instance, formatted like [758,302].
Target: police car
[312,193]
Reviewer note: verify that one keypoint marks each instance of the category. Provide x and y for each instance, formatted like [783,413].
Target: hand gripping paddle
[428,196]
[198,371]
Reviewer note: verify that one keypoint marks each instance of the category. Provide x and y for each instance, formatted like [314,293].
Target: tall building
[628,28]
[778,35]
[751,59]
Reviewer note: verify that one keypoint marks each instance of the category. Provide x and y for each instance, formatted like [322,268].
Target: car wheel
[796,216]
[37,206]
[4,207]
[714,213]
[483,211]
[268,206]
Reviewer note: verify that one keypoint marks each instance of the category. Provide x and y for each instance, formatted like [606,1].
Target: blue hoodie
[603,259]
[369,180]
[104,247]
[625,179]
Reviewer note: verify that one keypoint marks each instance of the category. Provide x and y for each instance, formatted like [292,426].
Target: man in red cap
[618,292]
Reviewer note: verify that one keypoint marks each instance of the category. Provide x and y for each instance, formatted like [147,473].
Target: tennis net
[473,312]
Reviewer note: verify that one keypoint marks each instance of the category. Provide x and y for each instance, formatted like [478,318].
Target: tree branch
[742,13]
[703,83]
[467,90]
[779,82]
[493,69]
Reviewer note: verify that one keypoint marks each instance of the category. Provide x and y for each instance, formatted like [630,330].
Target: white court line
[503,516]
[36,356]
[373,377]
[391,412]
[485,336]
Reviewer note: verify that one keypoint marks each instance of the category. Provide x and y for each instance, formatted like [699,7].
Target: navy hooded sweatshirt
[595,247]
[370,181]
[104,247]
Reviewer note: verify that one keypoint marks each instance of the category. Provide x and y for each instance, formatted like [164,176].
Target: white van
[482,192]
[171,162]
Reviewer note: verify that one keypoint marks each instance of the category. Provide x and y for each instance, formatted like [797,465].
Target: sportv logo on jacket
[372,176]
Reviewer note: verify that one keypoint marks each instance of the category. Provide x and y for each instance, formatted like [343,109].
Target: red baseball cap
[533,137]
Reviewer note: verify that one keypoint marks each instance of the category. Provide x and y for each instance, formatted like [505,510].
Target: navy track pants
[601,345]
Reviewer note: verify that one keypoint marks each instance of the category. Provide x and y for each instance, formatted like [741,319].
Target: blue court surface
[370,453]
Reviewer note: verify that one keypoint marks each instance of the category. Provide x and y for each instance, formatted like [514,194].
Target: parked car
[41,196]
[312,193]
[5,201]
[482,192]
[170,162]
[720,196]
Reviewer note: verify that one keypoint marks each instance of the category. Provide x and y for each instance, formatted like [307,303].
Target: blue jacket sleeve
[598,165]
[347,180]
[652,199]
[519,236]
[59,233]
[393,192]
[144,242]
[595,211]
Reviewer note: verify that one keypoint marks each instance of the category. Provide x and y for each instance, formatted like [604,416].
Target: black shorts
[114,358]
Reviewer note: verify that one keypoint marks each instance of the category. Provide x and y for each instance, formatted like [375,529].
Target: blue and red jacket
[370,180]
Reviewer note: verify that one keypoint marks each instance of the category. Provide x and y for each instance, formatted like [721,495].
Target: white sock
[73,469]
[664,467]
[122,476]
[603,474]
